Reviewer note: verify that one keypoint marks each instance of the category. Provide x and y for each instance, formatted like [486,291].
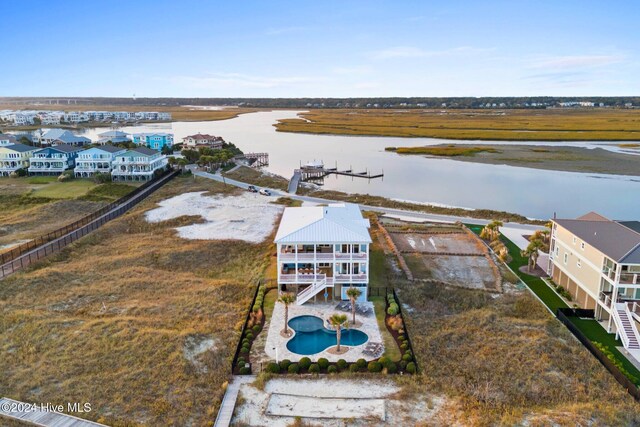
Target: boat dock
[316,172]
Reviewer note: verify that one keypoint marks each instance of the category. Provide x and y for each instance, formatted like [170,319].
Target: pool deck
[322,310]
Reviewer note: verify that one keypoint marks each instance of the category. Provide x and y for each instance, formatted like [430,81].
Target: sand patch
[249,217]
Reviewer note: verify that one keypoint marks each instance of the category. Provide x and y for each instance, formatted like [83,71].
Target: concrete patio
[369,326]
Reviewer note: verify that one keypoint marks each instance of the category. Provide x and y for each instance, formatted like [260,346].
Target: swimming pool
[312,337]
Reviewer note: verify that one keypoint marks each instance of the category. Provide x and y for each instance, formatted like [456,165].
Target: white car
[265,192]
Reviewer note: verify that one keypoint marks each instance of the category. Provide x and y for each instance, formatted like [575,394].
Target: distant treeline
[415,102]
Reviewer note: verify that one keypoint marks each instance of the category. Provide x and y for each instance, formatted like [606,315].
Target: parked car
[252,188]
[265,192]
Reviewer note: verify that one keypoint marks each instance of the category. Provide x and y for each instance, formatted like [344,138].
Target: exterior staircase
[311,291]
[627,329]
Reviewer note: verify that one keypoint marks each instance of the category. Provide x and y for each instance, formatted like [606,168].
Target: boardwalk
[295,181]
[229,401]
[24,412]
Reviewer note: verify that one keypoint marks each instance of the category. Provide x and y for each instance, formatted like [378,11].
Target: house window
[574,240]
[582,246]
[566,257]
[557,251]
[579,263]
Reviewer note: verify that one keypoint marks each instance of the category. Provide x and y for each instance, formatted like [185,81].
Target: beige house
[202,140]
[598,261]
[14,157]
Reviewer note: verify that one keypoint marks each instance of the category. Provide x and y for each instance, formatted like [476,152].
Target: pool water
[312,337]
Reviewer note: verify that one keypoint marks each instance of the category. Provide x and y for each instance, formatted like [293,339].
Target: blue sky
[320,48]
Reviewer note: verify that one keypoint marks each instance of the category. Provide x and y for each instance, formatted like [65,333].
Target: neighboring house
[14,157]
[202,140]
[323,250]
[96,160]
[53,160]
[113,136]
[62,136]
[6,139]
[154,141]
[598,261]
[138,164]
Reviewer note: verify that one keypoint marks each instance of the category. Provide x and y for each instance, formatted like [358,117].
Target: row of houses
[138,164]
[29,117]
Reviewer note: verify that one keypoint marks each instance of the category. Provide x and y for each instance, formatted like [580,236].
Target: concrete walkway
[419,215]
[223,419]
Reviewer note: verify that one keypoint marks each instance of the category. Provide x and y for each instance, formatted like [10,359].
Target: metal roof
[335,223]
[145,151]
[21,148]
[613,239]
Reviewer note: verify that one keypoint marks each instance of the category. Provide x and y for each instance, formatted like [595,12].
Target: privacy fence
[26,254]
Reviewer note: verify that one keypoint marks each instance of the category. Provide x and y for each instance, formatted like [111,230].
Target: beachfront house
[96,160]
[598,261]
[138,164]
[6,139]
[202,140]
[14,157]
[114,137]
[155,141]
[62,136]
[53,160]
[322,251]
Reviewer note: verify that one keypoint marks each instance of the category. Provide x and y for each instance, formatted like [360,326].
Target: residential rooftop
[335,223]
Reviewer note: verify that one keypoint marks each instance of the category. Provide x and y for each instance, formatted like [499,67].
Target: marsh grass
[258,178]
[107,320]
[446,151]
[513,125]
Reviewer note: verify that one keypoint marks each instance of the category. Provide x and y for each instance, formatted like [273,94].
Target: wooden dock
[39,416]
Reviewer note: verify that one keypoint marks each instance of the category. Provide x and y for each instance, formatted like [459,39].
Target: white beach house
[323,250]
[138,164]
[96,160]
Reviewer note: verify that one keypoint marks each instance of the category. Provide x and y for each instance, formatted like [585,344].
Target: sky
[328,48]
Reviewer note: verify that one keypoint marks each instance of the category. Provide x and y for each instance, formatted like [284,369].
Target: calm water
[531,192]
[312,337]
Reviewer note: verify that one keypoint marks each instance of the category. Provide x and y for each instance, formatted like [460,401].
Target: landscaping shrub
[246,342]
[393,309]
[248,336]
[407,358]
[354,368]
[384,361]
[332,369]
[361,363]
[64,176]
[374,366]
[244,349]
[241,361]
[402,365]
[391,368]
[101,178]
[304,363]
[314,368]
[273,367]
[284,364]
[323,363]
[409,352]
[404,346]
[411,368]
[342,364]
[293,368]
[18,173]
[245,371]
[256,329]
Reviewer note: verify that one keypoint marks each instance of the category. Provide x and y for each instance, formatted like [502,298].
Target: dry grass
[26,213]
[258,178]
[107,320]
[517,125]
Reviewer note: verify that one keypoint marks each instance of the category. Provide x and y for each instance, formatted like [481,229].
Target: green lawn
[377,267]
[64,190]
[590,328]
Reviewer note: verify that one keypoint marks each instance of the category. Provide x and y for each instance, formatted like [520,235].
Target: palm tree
[287,299]
[353,294]
[532,252]
[338,321]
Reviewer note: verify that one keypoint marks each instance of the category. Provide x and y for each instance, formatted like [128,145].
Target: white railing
[627,330]
[311,291]
[321,256]
[294,278]
[350,277]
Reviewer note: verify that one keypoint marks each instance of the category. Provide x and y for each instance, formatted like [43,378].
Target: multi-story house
[53,160]
[6,139]
[154,141]
[14,157]
[323,250]
[598,261]
[202,140]
[138,164]
[96,160]
[62,136]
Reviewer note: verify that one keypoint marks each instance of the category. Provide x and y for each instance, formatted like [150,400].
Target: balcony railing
[308,278]
[629,278]
[350,277]
[321,256]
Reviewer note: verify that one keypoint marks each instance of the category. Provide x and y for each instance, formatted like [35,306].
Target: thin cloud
[357,70]
[576,61]
[235,80]
[283,30]
[415,52]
